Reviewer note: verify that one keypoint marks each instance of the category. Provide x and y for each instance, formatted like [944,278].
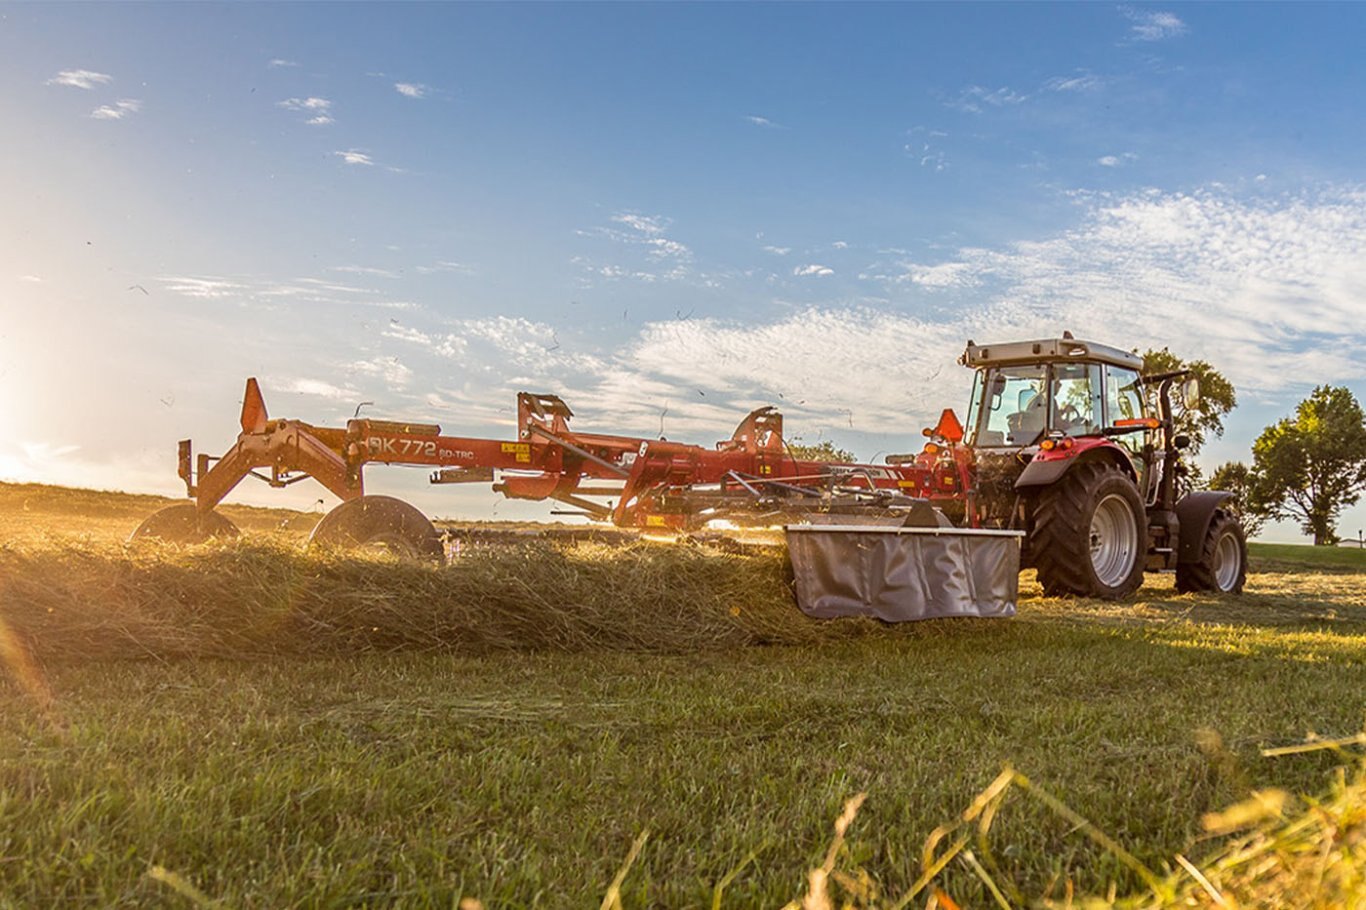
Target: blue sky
[666,213]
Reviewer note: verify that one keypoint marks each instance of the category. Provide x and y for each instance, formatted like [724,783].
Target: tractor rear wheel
[1089,538]
[1222,567]
[183,523]
[381,523]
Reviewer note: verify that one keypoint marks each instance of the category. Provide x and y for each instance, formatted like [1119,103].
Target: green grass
[1323,559]
[412,735]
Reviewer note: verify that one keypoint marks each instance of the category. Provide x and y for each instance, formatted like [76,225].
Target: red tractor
[1062,445]
[1059,443]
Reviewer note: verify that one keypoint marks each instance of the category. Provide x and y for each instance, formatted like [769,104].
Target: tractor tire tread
[1061,555]
[1196,577]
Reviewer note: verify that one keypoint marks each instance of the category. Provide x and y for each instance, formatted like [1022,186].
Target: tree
[1311,466]
[1238,479]
[1217,396]
[824,450]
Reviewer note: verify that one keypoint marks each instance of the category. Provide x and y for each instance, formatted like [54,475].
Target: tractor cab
[1040,394]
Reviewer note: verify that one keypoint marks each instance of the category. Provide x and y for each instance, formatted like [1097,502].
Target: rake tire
[1222,567]
[183,523]
[1090,533]
[381,522]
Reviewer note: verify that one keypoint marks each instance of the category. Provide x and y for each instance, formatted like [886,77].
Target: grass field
[280,728]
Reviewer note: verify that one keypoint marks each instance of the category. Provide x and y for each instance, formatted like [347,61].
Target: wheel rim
[1227,562]
[1114,540]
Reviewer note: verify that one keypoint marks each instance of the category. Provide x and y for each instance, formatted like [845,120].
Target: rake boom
[645,482]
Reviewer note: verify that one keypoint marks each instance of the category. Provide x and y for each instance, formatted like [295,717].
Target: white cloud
[321,389]
[764,122]
[118,110]
[840,245]
[458,268]
[86,79]
[803,271]
[778,250]
[411,89]
[1082,82]
[1153,25]
[34,279]
[364,270]
[646,224]
[320,109]
[279,62]
[648,233]
[352,156]
[1116,160]
[1272,293]
[270,294]
[394,373]
[972,98]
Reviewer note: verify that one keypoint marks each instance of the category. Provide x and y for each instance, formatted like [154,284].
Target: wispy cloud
[1080,82]
[32,279]
[778,250]
[352,156]
[807,271]
[278,62]
[1153,25]
[318,109]
[267,293]
[445,265]
[394,373]
[764,122]
[411,89]
[364,270]
[118,110]
[86,79]
[1116,160]
[665,258]
[976,98]
[319,388]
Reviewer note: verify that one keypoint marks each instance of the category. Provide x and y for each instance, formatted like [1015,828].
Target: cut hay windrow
[260,596]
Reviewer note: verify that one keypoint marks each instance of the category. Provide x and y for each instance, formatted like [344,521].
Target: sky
[669,214]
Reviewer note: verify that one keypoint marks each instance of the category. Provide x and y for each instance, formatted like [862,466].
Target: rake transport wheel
[1089,537]
[383,523]
[1222,567]
[182,523]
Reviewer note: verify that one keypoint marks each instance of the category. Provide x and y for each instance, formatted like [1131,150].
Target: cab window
[1077,396]
[1124,401]
[1014,406]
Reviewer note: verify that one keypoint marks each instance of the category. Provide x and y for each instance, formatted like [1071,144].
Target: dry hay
[262,595]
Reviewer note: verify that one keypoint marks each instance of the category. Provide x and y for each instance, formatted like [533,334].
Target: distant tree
[1237,478]
[1217,396]
[825,450]
[1311,466]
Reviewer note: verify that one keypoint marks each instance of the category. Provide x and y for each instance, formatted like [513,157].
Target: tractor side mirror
[1190,393]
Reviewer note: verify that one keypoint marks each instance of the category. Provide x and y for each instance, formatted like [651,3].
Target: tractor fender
[1049,467]
[1195,511]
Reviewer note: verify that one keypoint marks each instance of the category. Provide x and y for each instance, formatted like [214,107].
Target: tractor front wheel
[183,523]
[1089,538]
[381,523]
[1222,567]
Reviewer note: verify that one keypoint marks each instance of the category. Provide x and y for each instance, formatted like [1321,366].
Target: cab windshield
[1019,404]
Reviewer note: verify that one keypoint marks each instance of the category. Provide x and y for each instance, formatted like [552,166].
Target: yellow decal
[907,483]
[654,521]
[521,449]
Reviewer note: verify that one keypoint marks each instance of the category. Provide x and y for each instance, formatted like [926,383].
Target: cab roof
[1047,350]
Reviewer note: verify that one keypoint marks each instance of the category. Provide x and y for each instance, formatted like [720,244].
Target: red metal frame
[649,482]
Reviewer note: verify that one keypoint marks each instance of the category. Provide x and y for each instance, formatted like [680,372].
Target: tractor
[1061,442]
